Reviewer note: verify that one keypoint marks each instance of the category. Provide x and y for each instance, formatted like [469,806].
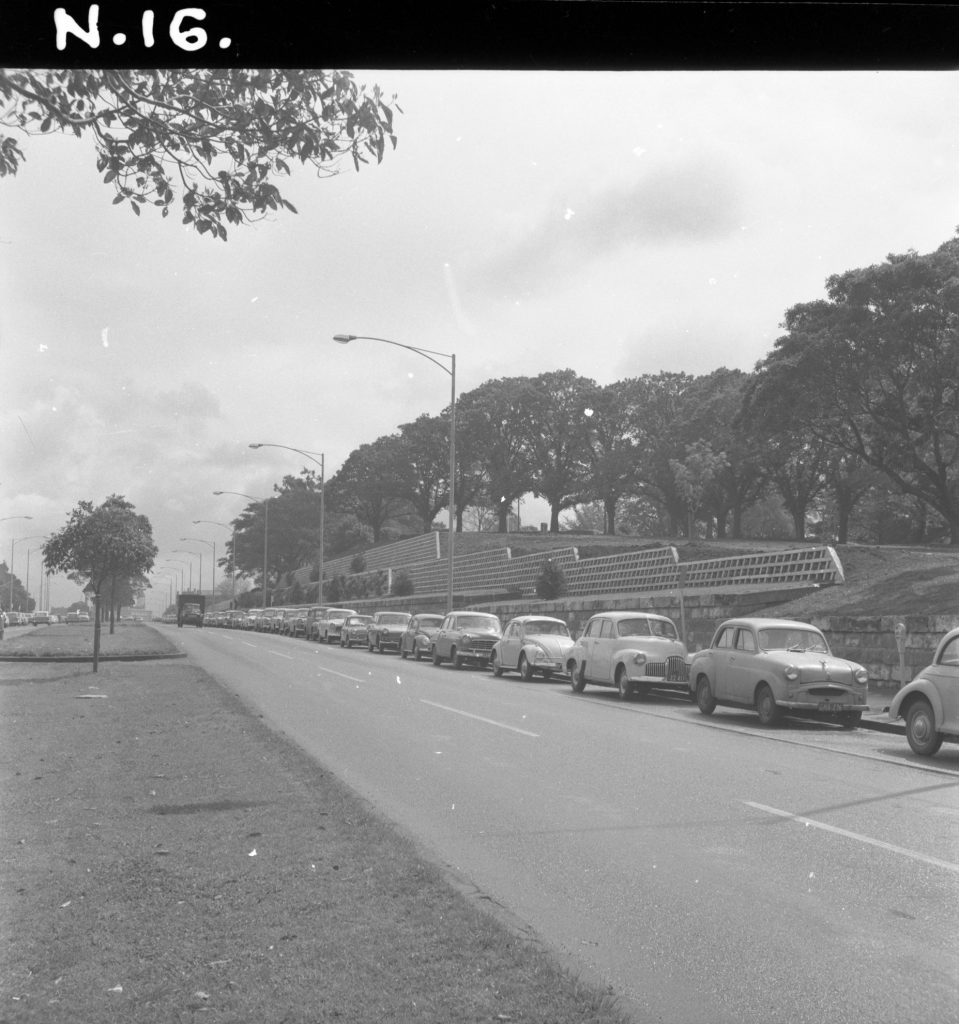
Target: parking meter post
[900,632]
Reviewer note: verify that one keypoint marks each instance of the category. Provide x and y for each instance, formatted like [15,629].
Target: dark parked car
[386,629]
[417,638]
[354,630]
[466,636]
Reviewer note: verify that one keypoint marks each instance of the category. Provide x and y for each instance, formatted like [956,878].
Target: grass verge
[62,640]
[166,858]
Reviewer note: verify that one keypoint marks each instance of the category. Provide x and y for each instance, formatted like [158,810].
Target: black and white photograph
[479,539]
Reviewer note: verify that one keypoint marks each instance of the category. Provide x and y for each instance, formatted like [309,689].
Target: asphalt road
[707,869]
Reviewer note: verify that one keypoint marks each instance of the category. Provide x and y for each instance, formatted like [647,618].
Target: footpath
[168,858]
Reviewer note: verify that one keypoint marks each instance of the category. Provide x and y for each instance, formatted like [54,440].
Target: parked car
[354,630]
[778,667]
[386,629]
[930,703]
[77,616]
[280,621]
[466,636]
[295,622]
[633,651]
[331,625]
[417,638]
[264,620]
[532,644]
[314,615]
[249,619]
[41,619]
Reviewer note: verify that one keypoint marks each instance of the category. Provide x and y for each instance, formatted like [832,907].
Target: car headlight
[861,675]
[538,654]
[792,673]
[639,659]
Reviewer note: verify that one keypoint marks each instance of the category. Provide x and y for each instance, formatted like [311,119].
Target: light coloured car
[41,619]
[930,703]
[314,615]
[532,644]
[466,637]
[386,629]
[417,638]
[354,630]
[329,627]
[778,667]
[633,651]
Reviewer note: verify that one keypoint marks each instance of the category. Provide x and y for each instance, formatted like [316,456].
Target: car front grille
[673,669]
[485,645]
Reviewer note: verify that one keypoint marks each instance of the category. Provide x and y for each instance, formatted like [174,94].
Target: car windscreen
[546,626]
[395,619]
[646,627]
[429,621]
[782,639]
[477,622]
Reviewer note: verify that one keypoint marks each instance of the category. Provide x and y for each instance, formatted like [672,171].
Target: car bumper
[824,706]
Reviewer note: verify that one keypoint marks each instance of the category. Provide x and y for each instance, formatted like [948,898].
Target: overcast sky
[615,223]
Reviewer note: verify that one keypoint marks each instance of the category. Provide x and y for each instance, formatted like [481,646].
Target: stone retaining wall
[871,640]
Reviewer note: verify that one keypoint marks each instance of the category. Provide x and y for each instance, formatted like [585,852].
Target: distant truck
[189,609]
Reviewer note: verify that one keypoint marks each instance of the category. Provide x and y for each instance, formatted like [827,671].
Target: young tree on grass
[218,136]
[101,546]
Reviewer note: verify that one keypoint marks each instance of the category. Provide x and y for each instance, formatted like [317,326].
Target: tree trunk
[554,519]
[609,516]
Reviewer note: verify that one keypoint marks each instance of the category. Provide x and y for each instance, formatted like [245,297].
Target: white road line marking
[480,718]
[934,861]
[342,675]
[289,657]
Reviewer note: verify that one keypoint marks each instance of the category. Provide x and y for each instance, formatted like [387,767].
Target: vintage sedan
[314,616]
[532,644]
[354,630]
[466,637]
[417,638]
[386,629]
[930,703]
[778,667]
[329,627]
[632,651]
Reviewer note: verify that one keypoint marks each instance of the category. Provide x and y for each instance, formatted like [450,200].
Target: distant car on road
[633,651]
[386,630]
[778,667]
[532,644]
[930,703]
[354,630]
[466,636]
[417,638]
[41,619]
[77,616]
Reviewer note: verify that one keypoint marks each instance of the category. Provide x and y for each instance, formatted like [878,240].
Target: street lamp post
[265,502]
[12,542]
[200,540]
[321,462]
[427,353]
[193,554]
[226,526]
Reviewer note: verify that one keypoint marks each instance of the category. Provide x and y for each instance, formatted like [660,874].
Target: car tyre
[457,659]
[403,652]
[525,668]
[577,677]
[417,653]
[766,707]
[705,700]
[495,665]
[921,728]
[437,660]
[623,684]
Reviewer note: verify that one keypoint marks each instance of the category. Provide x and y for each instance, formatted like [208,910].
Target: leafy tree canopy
[219,136]
[102,544]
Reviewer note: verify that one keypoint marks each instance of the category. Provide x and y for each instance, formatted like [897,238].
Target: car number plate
[825,705]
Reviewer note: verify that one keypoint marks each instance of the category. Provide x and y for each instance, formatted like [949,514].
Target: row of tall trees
[855,410]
